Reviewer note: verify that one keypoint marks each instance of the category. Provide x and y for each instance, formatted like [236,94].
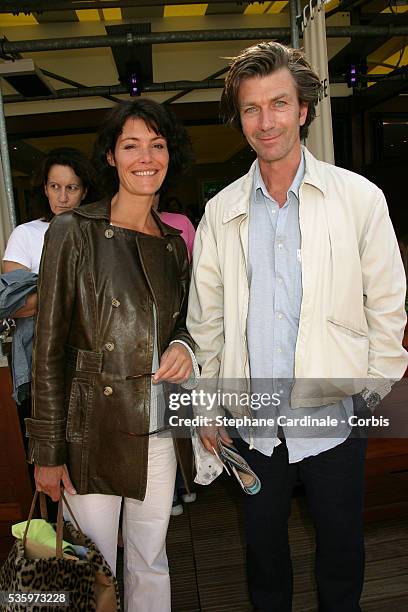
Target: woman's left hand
[175,365]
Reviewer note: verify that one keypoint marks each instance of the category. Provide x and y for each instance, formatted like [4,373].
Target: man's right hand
[49,479]
[209,434]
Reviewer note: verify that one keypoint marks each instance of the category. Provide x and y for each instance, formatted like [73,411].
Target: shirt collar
[295,186]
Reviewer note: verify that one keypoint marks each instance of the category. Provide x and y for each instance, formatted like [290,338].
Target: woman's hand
[175,365]
[48,480]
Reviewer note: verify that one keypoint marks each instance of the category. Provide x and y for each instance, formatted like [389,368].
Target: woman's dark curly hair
[63,156]
[159,119]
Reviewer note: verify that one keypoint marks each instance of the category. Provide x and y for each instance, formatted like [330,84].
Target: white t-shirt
[26,243]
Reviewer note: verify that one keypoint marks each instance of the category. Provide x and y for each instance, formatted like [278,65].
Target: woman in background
[65,180]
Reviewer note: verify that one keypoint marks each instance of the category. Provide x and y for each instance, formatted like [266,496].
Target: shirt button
[169,247]
[280,281]
[273,212]
[115,303]
[280,315]
[108,391]
[280,245]
[109,233]
[279,349]
[109,346]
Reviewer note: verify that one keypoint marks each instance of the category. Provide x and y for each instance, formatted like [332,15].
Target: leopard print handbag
[85,584]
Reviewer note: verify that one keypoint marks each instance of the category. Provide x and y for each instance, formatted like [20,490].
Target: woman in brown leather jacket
[112,305]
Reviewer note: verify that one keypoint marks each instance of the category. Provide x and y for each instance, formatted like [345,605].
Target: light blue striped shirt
[275,296]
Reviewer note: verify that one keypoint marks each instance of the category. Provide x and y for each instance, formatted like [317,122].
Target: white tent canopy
[320,138]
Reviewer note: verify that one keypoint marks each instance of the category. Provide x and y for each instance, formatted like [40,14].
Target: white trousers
[144,529]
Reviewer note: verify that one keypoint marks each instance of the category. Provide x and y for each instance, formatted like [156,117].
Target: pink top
[184,224]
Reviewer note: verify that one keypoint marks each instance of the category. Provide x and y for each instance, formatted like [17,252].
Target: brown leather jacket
[94,328]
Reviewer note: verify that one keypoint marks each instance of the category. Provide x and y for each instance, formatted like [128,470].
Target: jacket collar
[240,191]
[313,171]
[102,210]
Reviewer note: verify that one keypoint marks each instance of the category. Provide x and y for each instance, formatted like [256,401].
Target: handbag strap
[64,499]
[60,530]
[60,519]
[43,511]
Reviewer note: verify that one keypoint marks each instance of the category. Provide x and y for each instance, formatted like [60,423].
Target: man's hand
[175,365]
[48,480]
[208,436]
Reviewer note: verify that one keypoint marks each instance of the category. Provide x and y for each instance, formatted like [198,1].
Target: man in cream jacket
[297,274]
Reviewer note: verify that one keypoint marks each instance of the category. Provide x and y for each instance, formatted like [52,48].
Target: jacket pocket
[347,329]
[347,350]
[80,405]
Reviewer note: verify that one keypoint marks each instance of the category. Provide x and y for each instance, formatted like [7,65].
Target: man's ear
[110,158]
[304,107]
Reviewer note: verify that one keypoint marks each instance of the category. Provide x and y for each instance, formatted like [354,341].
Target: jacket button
[115,303]
[108,391]
[169,247]
[109,346]
[109,233]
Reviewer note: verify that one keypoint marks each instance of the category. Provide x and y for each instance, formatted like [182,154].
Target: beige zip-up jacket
[352,316]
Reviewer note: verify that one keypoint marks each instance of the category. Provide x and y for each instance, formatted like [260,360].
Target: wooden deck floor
[206,556]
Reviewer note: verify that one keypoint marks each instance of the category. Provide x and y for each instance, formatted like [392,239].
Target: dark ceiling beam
[186,36]
[184,92]
[106,90]
[361,48]
[384,18]
[355,49]
[131,38]
[90,120]
[350,5]
[396,83]
[376,6]
[41,6]
[58,77]
[103,90]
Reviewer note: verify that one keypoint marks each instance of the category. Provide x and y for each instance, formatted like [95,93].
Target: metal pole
[369,31]
[5,162]
[131,39]
[182,86]
[62,79]
[294,31]
[103,90]
[184,92]
[143,38]
[34,6]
